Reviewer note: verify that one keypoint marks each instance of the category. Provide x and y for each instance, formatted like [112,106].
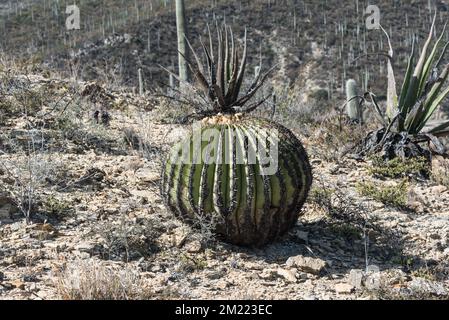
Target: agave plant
[223,179]
[218,82]
[422,90]
[421,94]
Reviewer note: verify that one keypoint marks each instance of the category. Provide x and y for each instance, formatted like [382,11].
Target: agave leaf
[429,62]
[434,98]
[439,148]
[443,52]
[212,74]
[232,83]
[392,96]
[210,43]
[210,65]
[413,89]
[241,72]
[444,127]
[232,56]
[436,88]
[253,88]
[413,116]
[227,60]
[406,83]
[221,64]
[197,59]
[189,85]
[432,108]
[378,112]
[198,73]
[255,105]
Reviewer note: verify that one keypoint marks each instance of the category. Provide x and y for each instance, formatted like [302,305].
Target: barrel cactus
[249,176]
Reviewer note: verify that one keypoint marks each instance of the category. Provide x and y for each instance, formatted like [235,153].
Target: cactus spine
[353,107]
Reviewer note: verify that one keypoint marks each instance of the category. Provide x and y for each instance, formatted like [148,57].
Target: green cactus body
[218,179]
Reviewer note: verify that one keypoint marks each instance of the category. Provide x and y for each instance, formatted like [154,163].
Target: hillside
[118,37]
[81,156]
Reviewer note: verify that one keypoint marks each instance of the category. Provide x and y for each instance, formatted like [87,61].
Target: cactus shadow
[344,247]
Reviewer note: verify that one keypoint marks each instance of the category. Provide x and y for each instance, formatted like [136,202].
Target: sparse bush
[338,205]
[56,208]
[28,173]
[190,264]
[332,138]
[127,241]
[348,216]
[391,195]
[347,231]
[320,95]
[92,280]
[400,168]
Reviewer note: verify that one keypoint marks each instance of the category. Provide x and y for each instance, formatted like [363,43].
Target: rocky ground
[99,228]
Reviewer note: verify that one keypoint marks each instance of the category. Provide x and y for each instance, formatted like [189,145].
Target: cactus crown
[219,81]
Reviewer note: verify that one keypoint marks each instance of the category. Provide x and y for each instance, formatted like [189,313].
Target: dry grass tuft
[92,280]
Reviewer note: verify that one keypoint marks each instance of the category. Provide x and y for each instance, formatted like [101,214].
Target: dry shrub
[92,280]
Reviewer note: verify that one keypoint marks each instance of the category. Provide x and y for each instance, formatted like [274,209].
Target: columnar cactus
[181,27]
[353,107]
[248,176]
[139,75]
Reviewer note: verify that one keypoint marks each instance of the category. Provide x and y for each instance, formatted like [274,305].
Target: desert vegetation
[94,203]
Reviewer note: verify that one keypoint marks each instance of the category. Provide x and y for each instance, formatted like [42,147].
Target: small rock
[373,277]
[289,275]
[343,288]
[85,247]
[334,169]
[19,284]
[55,245]
[194,246]
[416,206]
[446,252]
[222,285]
[307,264]
[438,190]
[268,274]
[254,266]
[147,175]
[215,275]
[142,195]
[434,236]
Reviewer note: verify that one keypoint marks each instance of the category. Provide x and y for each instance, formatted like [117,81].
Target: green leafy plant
[218,83]
[422,90]
[406,120]
[390,195]
[399,167]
